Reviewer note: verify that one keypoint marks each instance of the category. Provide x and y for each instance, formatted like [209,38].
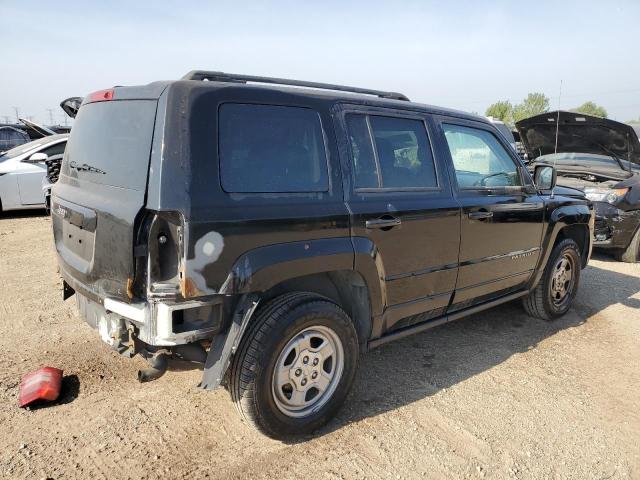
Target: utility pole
[50,110]
[17,114]
[6,118]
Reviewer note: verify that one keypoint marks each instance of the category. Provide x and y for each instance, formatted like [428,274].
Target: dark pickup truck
[273,229]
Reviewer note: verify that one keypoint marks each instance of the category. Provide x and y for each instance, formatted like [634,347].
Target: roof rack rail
[234,78]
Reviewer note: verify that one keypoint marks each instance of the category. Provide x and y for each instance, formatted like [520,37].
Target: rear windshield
[266,148]
[110,143]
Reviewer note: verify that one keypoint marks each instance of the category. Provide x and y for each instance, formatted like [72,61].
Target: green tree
[534,104]
[502,111]
[590,108]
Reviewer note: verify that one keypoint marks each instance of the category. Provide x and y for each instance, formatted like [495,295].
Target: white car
[22,170]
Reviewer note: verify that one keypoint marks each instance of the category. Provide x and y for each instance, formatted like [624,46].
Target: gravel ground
[497,395]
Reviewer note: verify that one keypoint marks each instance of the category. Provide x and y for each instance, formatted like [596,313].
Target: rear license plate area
[78,241]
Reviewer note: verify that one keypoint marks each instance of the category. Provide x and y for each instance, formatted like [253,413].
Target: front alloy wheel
[562,280]
[557,288]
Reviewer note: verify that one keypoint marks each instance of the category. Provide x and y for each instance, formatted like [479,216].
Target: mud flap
[224,346]
[67,291]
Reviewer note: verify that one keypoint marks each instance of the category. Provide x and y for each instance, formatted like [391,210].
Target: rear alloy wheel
[307,371]
[558,286]
[295,365]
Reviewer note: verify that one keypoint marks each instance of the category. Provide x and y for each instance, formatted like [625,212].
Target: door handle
[482,214]
[383,222]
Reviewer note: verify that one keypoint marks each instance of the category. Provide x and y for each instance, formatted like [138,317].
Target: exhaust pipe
[159,361]
[157,366]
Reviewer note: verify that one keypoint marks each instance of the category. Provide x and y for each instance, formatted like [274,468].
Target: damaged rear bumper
[614,228]
[153,323]
[149,328]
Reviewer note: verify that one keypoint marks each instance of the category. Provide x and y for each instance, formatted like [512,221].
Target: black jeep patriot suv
[272,229]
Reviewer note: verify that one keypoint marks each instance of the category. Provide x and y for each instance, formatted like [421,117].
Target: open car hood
[578,133]
[40,130]
[71,106]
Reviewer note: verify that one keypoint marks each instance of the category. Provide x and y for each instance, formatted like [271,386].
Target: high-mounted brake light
[100,96]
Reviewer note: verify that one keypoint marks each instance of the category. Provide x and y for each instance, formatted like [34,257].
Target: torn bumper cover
[614,228]
[154,323]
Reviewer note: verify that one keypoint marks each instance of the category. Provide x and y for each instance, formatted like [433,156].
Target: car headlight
[609,195]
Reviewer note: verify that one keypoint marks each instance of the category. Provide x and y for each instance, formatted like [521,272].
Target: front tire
[632,252]
[295,365]
[558,286]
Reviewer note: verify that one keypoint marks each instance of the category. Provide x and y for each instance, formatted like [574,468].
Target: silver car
[23,169]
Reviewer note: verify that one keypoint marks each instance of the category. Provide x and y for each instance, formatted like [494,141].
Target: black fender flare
[561,217]
[262,268]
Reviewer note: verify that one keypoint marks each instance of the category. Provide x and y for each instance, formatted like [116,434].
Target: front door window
[480,161]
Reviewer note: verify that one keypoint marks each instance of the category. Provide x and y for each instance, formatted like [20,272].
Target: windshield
[20,149]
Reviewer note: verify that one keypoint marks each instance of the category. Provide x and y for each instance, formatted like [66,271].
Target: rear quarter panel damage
[206,251]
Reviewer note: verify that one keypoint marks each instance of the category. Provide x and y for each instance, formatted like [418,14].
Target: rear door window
[390,153]
[365,171]
[266,148]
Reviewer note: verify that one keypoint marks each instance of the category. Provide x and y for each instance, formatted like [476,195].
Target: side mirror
[37,158]
[545,177]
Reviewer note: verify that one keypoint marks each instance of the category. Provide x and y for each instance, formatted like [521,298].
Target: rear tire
[632,253]
[557,288]
[295,365]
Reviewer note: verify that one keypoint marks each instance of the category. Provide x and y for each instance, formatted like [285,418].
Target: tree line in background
[534,104]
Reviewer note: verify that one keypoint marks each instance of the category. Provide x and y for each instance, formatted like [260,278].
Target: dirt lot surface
[497,395]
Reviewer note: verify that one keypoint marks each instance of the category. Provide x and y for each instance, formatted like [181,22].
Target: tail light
[161,254]
[43,384]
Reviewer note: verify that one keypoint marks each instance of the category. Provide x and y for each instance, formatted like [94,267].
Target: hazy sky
[459,54]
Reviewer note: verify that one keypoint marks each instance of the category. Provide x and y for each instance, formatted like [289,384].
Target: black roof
[328,92]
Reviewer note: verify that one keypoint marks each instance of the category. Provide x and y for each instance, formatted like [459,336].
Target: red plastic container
[43,384]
